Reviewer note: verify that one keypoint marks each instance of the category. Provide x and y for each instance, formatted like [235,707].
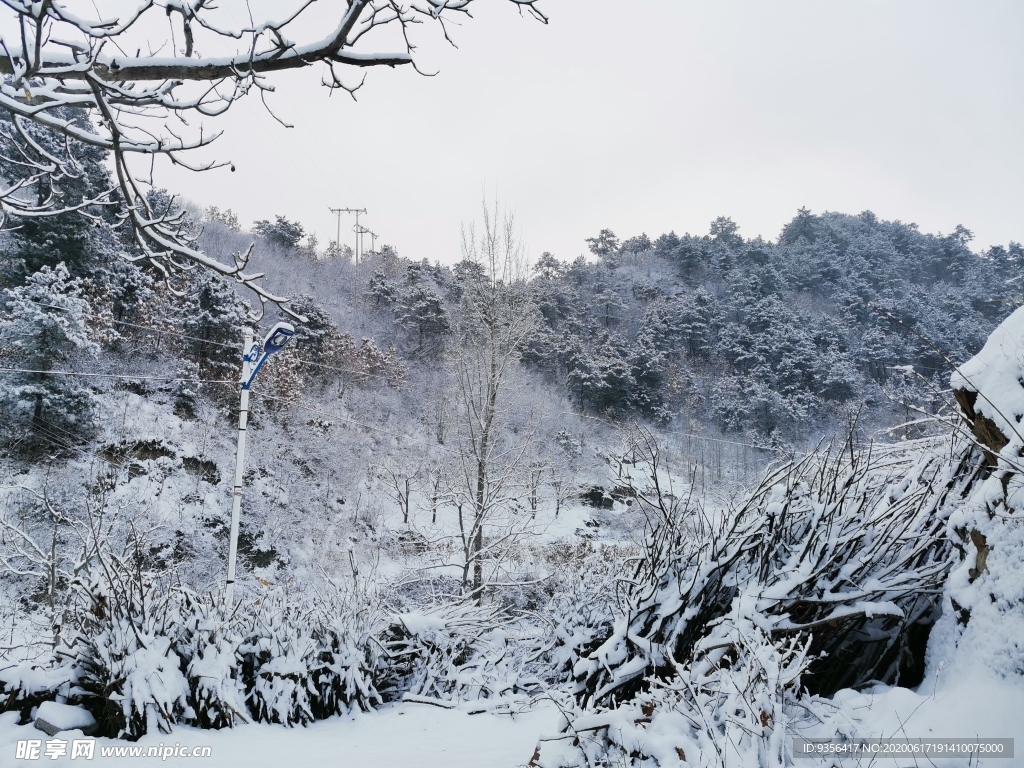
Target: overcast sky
[652,115]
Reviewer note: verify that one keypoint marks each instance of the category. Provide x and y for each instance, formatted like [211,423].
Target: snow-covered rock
[983,620]
[52,718]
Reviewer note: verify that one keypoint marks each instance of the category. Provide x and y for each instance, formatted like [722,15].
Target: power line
[62,442]
[355,371]
[117,376]
[65,439]
[612,425]
[62,438]
[142,327]
[211,381]
[176,334]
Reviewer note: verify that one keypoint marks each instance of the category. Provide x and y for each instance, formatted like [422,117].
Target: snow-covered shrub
[207,641]
[28,684]
[454,653]
[348,660]
[276,654]
[126,671]
[304,659]
[142,655]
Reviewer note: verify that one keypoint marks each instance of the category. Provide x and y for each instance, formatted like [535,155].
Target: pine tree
[215,316]
[66,238]
[804,225]
[420,308]
[281,231]
[313,338]
[381,289]
[605,245]
[44,328]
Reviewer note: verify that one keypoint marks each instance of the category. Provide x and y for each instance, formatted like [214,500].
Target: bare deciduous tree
[399,483]
[136,79]
[497,316]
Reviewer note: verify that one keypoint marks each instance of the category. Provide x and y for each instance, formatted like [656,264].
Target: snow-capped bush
[26,685]
[349,660]
[275,658]
[207,641]
[143,656]
[126,670]
[305,659]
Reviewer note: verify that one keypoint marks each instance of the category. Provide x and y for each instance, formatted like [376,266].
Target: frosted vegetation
[703,493]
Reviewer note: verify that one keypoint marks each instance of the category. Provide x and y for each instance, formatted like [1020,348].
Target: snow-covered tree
[281,231]
[44,328]
[605,245]
[420,309]
[214,317]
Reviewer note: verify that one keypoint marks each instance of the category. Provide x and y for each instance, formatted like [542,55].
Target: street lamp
[253,358]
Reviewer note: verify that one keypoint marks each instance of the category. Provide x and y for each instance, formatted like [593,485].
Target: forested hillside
[842,313]
[755,347]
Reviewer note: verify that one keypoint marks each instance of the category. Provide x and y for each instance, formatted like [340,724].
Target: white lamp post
[253,358]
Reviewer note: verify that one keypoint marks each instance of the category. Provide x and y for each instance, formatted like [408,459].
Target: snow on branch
[135,80]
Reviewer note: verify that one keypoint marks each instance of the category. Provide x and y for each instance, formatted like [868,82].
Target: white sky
[652,115]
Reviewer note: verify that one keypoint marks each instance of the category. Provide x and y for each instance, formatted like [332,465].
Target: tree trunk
[478,535]
[405,506]
[37,414]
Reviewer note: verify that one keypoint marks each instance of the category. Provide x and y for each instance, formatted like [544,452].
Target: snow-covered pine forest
[691,495]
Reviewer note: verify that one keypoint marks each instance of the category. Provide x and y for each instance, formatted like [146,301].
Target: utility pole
[254,355]
[337,239]
[359,236]
[356,211]
[373,239]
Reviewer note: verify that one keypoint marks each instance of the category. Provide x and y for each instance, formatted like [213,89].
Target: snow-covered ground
[403,736]
[952,704]
[422,736]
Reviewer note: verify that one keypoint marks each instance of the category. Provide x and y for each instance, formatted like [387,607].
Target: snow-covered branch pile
[455,653]
[826,576]
[584,606]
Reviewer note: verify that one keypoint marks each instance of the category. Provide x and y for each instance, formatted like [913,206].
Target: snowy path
[408,736]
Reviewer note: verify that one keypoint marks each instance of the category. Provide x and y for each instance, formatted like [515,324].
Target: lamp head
[278,338]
